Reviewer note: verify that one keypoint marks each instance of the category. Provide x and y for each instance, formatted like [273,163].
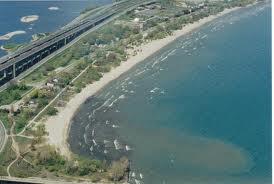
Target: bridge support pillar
[14,73]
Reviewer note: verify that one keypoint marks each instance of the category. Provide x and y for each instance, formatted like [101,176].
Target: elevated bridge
[12,65]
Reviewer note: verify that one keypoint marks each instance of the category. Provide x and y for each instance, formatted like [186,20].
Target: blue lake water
[197,111]
[49,21]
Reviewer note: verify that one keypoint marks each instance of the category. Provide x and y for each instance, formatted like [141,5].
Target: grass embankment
[11,47]
[6,157]
[13,93]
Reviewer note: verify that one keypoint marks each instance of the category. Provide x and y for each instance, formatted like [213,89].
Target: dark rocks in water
[119,170]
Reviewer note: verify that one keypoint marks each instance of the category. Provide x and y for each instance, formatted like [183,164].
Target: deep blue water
[197,111]
[49,21]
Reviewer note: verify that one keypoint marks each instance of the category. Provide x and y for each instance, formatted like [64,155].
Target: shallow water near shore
[197,111]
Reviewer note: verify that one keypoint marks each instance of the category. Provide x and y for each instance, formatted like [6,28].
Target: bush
[118,169]
[49,158]
[12,93]
[51,111]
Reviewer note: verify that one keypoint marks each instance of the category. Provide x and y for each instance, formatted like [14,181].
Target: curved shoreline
[11,34]
[58,126]
[29,18]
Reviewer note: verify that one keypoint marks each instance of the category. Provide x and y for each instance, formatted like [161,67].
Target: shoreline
[29,18]
[58,126]
[11,34]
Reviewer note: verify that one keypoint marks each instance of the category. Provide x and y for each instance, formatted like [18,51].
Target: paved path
[3,136]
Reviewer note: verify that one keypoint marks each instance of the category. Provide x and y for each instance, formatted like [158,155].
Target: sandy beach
[29,18]
[58,126]
[11,34]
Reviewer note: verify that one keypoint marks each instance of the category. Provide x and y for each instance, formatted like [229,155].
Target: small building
[48,84]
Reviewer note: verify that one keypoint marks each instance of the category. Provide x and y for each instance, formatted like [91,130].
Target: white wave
[137,181]
[85,138]
[114,101]
[105,151]
[107,94]
[127,78]
[154,90]
[104,104]
[115,126]
[204,36]
[94,104]
[93,132]
[117,144]
[53,8]
[111,104]
[164,58]
[139,73]
[91,148]
[133,174]
[141,176]
[156,62]
[94,142]
[128,148]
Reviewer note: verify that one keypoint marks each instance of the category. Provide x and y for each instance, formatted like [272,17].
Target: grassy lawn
[13,93]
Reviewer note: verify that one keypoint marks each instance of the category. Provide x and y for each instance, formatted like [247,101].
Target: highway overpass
[12,65]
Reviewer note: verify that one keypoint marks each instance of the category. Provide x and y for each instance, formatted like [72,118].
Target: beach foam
[53,8]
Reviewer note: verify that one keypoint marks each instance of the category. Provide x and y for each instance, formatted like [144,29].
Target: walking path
[3,136]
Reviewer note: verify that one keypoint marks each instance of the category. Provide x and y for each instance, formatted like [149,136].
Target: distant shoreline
[29,18]
[58,126]
[11,34]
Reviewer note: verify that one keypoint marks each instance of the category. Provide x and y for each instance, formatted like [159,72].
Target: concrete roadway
[63,33]
[27,72]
